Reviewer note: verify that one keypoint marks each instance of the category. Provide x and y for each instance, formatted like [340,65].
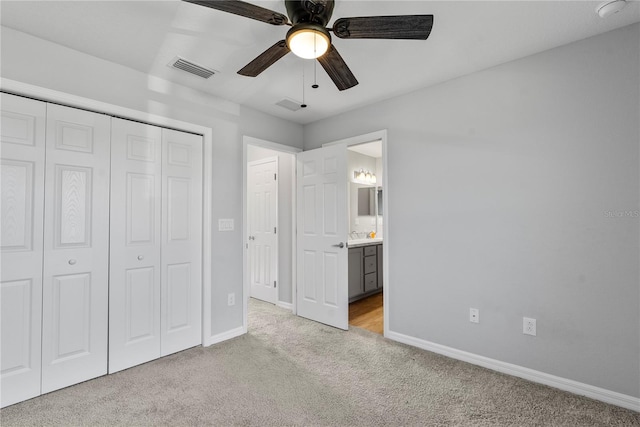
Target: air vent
[289,104]
[190,67]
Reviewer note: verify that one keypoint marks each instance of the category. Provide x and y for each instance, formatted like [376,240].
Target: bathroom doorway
[366,235]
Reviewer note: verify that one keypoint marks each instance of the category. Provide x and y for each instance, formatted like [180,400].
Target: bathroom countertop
[354,243]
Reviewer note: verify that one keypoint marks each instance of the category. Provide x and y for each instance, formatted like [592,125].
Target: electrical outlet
[474,315]
[231,299]
[529,326]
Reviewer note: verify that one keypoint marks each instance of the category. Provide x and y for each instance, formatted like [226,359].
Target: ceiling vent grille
[289,104]
[191,67]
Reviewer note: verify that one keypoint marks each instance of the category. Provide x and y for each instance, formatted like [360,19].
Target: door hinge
[274,230]
[275,177]
[274,283]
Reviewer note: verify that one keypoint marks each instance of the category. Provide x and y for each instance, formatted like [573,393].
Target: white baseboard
[214,339]
[286,305]
[593,392]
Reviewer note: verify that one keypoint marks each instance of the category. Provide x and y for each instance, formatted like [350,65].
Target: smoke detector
[610,7]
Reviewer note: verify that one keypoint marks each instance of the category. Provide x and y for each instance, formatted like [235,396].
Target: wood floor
[368,314]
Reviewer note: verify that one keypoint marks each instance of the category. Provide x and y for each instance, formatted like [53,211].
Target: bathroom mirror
[367,201]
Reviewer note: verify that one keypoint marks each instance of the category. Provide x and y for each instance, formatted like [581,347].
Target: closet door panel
[76,242]
[134,293]
[71,309]
[182,242]
[22,186]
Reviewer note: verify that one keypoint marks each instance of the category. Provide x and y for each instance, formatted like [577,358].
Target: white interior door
[181,258]
[322,292]
[134,268]
[22,188]
[262,192]
[76,247]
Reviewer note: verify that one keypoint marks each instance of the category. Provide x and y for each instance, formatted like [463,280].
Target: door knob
[339,245]
[140,257]
[72,262]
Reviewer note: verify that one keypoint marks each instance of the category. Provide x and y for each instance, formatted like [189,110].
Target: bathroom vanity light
[364,177]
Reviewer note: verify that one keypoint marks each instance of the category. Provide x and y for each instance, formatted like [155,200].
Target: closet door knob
[140,257]
[72,262]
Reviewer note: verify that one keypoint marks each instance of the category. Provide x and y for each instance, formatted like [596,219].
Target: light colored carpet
[290,371]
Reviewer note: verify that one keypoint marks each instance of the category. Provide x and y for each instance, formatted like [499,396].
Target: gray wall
[286,172]
[514,179]
[35,61]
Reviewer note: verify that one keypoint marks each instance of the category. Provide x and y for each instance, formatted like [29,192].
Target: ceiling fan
[309,36]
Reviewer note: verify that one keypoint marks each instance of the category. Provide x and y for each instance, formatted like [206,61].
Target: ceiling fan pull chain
[303,105]
[315,75]
[315,65]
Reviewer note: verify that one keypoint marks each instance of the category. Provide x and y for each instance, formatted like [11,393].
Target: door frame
[276,270]
[246,290]
[362,139]
[54,96]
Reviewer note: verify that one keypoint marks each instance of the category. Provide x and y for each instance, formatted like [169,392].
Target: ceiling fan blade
[265,60]
[245,9]
[337,69]
[408,27]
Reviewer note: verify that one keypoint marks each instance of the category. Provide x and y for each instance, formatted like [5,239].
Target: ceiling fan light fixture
[308,41]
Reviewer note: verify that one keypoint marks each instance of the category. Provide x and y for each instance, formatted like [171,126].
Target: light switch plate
[225,224]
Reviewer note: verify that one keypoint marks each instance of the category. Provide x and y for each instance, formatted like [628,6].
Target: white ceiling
[467,37]
[371,149]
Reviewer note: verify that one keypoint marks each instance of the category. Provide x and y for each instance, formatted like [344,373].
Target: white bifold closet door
[55,236]
[156,226]
[134,292]
[76,247]
[22,187]
[181,296]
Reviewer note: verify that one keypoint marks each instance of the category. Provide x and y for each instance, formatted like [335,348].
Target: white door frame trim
[246,141]
[361,139]
[44,94]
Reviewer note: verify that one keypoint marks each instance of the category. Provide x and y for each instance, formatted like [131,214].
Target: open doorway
[366,235]
[269,218]
[324,238]
[319,211]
